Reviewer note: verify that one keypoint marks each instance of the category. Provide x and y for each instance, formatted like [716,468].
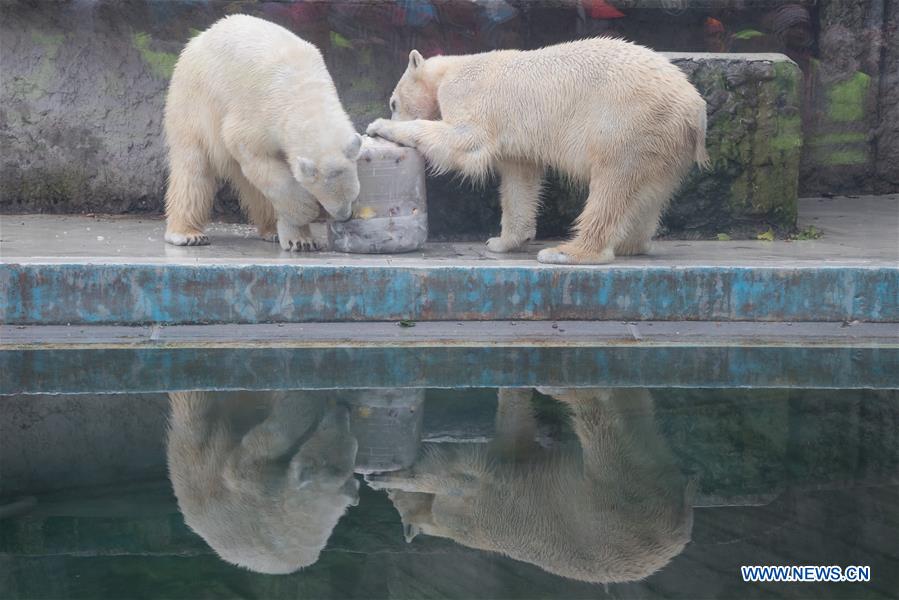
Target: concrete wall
[83,86]
[68,441]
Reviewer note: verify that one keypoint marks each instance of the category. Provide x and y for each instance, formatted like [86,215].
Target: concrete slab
[862,231]
[117,359]
[136,369]
[504,334]
[64,269]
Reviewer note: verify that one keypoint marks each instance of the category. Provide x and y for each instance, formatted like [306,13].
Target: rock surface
[852,99]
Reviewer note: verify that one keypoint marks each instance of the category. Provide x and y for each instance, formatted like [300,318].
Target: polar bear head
[332,178]
[264,495]
[415,96]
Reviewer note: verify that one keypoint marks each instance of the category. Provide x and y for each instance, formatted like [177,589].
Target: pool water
[207,482]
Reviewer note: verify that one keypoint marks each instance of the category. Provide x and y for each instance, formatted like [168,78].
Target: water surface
[469,490]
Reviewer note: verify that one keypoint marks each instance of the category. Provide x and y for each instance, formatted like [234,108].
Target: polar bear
[603,111]
[253,104]
[263,477]
[612,508]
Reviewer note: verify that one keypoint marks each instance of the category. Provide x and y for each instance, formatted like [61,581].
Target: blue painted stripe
[131,294]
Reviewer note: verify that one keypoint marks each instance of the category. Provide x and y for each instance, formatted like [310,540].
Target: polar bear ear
[353,148]
[305,168]
[415,60]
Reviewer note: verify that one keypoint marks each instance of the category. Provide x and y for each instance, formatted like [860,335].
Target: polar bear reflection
[262,477]
[614,509]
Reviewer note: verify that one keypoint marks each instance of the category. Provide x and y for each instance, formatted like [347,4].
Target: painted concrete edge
[161,370]
[79,294]
[453,333]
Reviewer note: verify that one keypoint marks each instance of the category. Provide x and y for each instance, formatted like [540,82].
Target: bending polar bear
[605,111]
[614,509]
[253,104]
[264,495]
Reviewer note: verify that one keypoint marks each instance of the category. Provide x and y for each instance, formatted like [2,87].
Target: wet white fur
[612,508]
[601,111]
[253,104]
[263,477]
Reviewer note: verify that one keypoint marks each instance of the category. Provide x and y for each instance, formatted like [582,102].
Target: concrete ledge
[80,270]
[134,293]
[477,334]
[113,359]
[163,370]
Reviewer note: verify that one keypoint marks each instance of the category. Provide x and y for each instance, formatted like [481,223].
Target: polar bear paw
[296,239]
[558,256]
[192,238]
[269,236]
[501,245]
[378,128]
[391,131]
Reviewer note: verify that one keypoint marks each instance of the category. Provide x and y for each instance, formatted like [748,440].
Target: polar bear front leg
[295,238]
[519,194]
[398,132]
[447,147]
[294,206]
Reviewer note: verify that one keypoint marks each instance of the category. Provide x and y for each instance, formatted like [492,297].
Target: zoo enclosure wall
[83,85]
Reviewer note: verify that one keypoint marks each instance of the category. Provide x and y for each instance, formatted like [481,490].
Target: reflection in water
[264,477]
[612,507]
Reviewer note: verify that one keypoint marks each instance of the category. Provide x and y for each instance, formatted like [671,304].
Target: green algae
[37,85]
[748,34]
[53,187]
[846,100]
[161,63]
[845,157]
[339,41]
[48,40]
[834,139]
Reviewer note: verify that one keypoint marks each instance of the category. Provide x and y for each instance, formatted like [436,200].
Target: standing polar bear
[253,104]
[613,507]
[604,111]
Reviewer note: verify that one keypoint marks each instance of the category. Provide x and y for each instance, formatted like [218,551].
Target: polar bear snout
[343,215]
[336,191]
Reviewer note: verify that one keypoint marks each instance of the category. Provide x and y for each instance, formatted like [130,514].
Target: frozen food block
[390,214]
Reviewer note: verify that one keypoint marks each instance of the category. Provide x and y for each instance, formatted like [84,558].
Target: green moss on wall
[161,63]
[845,157]
[34,86]
[754,141]
[48,40]
[51,187]
[834,139]
[846,100]
[338,41]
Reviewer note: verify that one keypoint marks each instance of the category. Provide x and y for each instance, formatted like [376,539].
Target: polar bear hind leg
[601,223]
[258,208]
[650,200]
